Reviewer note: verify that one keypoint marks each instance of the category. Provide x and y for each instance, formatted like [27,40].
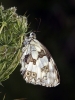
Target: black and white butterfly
[37,64]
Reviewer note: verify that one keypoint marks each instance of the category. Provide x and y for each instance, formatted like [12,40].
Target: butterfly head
[29,38]
[32,35]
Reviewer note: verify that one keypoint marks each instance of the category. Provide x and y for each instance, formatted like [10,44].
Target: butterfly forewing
[38,66]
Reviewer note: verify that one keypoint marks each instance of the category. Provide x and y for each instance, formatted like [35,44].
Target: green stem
[3,25]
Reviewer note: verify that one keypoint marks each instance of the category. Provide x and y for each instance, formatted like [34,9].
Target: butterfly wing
[38,66]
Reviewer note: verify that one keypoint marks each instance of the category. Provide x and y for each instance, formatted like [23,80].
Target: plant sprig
[12,30]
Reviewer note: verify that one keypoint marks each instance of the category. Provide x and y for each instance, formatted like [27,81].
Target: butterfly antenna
[38,24]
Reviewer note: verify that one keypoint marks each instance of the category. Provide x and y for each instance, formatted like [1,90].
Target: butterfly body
[38,66]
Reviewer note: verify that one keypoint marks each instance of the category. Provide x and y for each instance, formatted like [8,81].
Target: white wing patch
[44,60]
[34,54]
[39,63]
[30,66]
[38,66]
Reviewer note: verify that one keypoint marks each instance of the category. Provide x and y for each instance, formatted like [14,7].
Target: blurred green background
[57,33]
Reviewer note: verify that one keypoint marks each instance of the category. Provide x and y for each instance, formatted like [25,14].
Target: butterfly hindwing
[38,66]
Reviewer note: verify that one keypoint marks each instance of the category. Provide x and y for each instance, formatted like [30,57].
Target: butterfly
[37,64]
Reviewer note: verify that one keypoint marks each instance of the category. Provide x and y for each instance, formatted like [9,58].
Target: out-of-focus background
[57,33]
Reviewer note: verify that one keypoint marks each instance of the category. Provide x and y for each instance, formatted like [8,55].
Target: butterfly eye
[32,33]
[33,74]
[28,73]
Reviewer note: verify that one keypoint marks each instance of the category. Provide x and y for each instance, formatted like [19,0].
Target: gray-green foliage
[12,31]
